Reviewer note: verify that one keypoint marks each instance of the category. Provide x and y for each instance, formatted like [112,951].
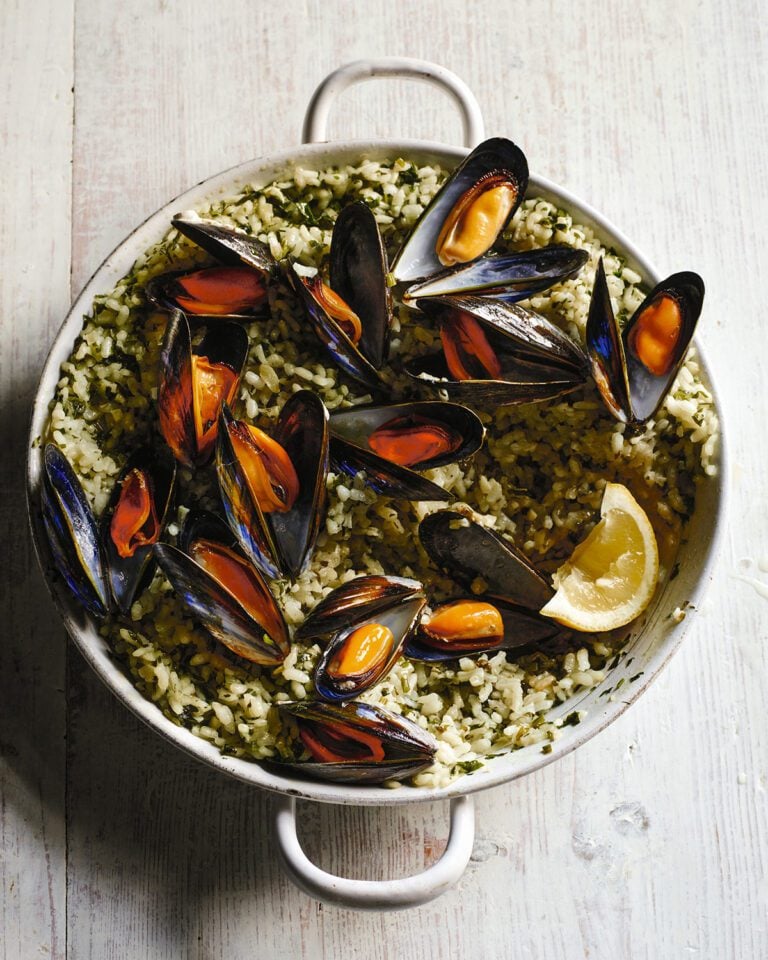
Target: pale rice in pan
[539,479]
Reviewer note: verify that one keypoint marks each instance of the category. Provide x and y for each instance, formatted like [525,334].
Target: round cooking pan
[654,639]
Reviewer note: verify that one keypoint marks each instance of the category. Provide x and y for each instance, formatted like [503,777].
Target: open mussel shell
[495,158]
[354,601]
[606,350]
[358,274]
[344,352]
[510,277]
[279,543]
[634,370]
[382,476]
[678,300]
[358,742]
[521,630]
[468,552]
[227,245]
[359,655]
[302,431]
[420,435]
[189,404]
[73,533]
[535,360]
[235,606]
[234,292]
[151,473]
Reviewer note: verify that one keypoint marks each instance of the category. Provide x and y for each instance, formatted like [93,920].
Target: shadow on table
[32,651]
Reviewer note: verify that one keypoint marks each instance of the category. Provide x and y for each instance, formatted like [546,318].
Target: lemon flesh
[611,576]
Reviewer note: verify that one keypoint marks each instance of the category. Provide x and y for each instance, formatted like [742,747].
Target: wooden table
[650,841]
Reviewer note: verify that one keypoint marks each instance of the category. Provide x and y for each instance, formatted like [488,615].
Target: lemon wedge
[611,576]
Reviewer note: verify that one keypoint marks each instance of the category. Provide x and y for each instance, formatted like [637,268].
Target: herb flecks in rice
[540,478]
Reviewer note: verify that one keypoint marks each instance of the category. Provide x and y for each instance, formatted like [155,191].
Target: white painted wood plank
[651,840]
[36,71]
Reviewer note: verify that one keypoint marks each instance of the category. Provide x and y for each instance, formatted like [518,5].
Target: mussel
[500,614]
[467,214]
[358,742]
[496,354]
[134,520]
[358,275]
[73,533]
[392,441]
[221,588]
[195,383]
[471,625]
[351,317]
[273,487]
[635,369]
[228,246]
[465,550]
[510,277]
[373,593]
[105,565]
[363,625]
[211,292]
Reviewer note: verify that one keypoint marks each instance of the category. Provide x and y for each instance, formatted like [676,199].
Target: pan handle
[316,117]
[376,894]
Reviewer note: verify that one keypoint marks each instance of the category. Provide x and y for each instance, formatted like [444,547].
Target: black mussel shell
[467,551]
[224,343]
[355,601]
[214,605]
[73,533]
[530,385]
[226,244]
[632,391]
[386,478]
[129,575]
[357,424]
[537,360]
[358,274]
[516,331]
[243,512]
[606,350]
[510,277]
[524,632]
[400,620]
[370,744]
[647,389]
[333,338]
[279,543]
[302,431]
[168,292]
[417,258]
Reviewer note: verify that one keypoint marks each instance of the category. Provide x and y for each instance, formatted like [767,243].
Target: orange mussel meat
[468,354]
[654,335]
[134,521]
[364,650]
[236,575]
[220,291]
[341,743]
[213,384]
[337,308]
[271,476]
[466,624]
[412,439]
[477,218]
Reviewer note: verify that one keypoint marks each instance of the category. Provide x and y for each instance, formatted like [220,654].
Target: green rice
[539,480]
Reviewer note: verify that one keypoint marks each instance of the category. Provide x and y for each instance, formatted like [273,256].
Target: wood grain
[35,154]
[651,841]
